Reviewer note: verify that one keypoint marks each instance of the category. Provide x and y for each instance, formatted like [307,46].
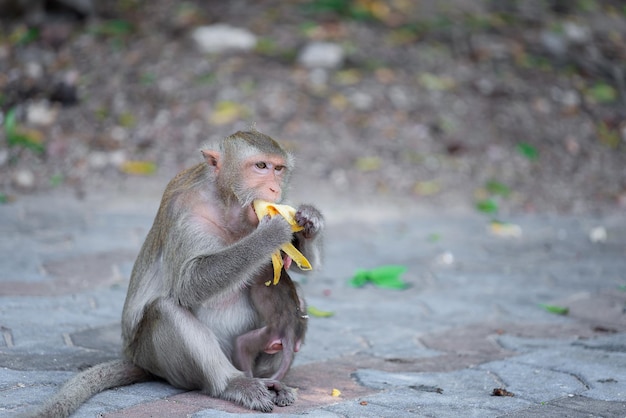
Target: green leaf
[497,188]
[368,164]
[9,122]
[436,82]
[114,28]
[434,237]
[138,167]
[505,229]
[127,120]
[608,136]
[313,311]
[28,36]
[527,150]
[387,277]
[147,78]
[28,139]
[603,93]
[487,206]
[4,198]
[559,310]
[56,180]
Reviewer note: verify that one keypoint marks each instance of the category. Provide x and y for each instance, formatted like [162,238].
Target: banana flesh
[263,208]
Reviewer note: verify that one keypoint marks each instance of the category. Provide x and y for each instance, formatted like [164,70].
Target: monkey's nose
[275,191]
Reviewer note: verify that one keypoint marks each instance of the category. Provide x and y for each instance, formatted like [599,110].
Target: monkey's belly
[227,318]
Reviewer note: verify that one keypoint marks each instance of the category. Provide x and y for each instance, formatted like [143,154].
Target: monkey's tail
[88,383]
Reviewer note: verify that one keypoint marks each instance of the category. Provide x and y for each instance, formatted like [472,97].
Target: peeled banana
[263,208]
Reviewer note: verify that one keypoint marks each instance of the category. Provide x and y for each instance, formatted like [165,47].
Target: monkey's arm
[230,267]
[309,240]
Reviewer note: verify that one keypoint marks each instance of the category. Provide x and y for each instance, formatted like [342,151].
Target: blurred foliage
[351,9]
[608,135]
[602,92]
[20,136]
[488,206]
[527,150]
[113,28]
[227,111]
[388,277]
[127,120]
[23,35]
[555,309]
[497,188]
[56,180]
[140,168]
[368,164]
[318,313]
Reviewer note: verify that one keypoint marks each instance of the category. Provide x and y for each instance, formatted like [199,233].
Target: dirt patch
[434,101]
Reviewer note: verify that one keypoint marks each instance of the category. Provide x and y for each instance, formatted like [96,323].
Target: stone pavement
[469,323]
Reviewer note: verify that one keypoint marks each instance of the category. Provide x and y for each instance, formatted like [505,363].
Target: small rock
[485,87]
[446,258]
[118,157]
[34,70]
[361,100]
[571,145]
[318,77]
[24,179]
[4,156]
[222,37]
[321,55]
[66,90]
[98,160]
[598,234]
[119,134]
[41,114]
[576,33]
[555,43]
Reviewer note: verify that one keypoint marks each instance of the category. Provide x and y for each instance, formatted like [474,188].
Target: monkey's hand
[310,219]
[263,209]
[276,230]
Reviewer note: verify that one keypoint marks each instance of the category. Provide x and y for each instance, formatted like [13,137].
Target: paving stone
[532,383]
[466,326]
[575,407]
[603,372]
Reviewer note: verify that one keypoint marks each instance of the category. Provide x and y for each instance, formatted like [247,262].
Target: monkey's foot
[285,395]
[250,393]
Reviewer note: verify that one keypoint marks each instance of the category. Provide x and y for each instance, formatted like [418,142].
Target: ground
[444,103]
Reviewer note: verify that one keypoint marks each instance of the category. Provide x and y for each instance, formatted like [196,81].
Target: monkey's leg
[173,344]
[285,363]
[267,365]
[247,346]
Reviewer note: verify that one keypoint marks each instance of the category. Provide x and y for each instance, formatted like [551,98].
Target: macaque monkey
[284,319]
[188,298]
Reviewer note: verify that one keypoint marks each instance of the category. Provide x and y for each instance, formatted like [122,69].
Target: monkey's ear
[212,158]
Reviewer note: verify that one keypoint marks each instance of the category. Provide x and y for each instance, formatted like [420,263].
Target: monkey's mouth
[286,261]
[254,210]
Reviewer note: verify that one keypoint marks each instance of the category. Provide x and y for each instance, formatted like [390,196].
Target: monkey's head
[249,166]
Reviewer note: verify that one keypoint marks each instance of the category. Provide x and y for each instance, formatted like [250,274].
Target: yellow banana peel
[263,208]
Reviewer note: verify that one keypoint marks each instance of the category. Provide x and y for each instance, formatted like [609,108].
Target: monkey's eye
[279,168]
[261,165]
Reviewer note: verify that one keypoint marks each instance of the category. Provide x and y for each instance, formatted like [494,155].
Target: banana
[263,208]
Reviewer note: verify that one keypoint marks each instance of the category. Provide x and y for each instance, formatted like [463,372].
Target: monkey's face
[263,177]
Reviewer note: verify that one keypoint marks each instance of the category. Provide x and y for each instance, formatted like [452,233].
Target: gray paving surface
[470,321]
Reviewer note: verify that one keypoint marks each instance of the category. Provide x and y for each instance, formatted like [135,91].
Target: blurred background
[495,106]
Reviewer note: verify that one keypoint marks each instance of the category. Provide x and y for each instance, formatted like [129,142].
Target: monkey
[189,292]
[284,321]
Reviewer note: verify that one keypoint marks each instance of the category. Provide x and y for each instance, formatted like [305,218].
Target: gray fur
[284,320]
[188,297]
